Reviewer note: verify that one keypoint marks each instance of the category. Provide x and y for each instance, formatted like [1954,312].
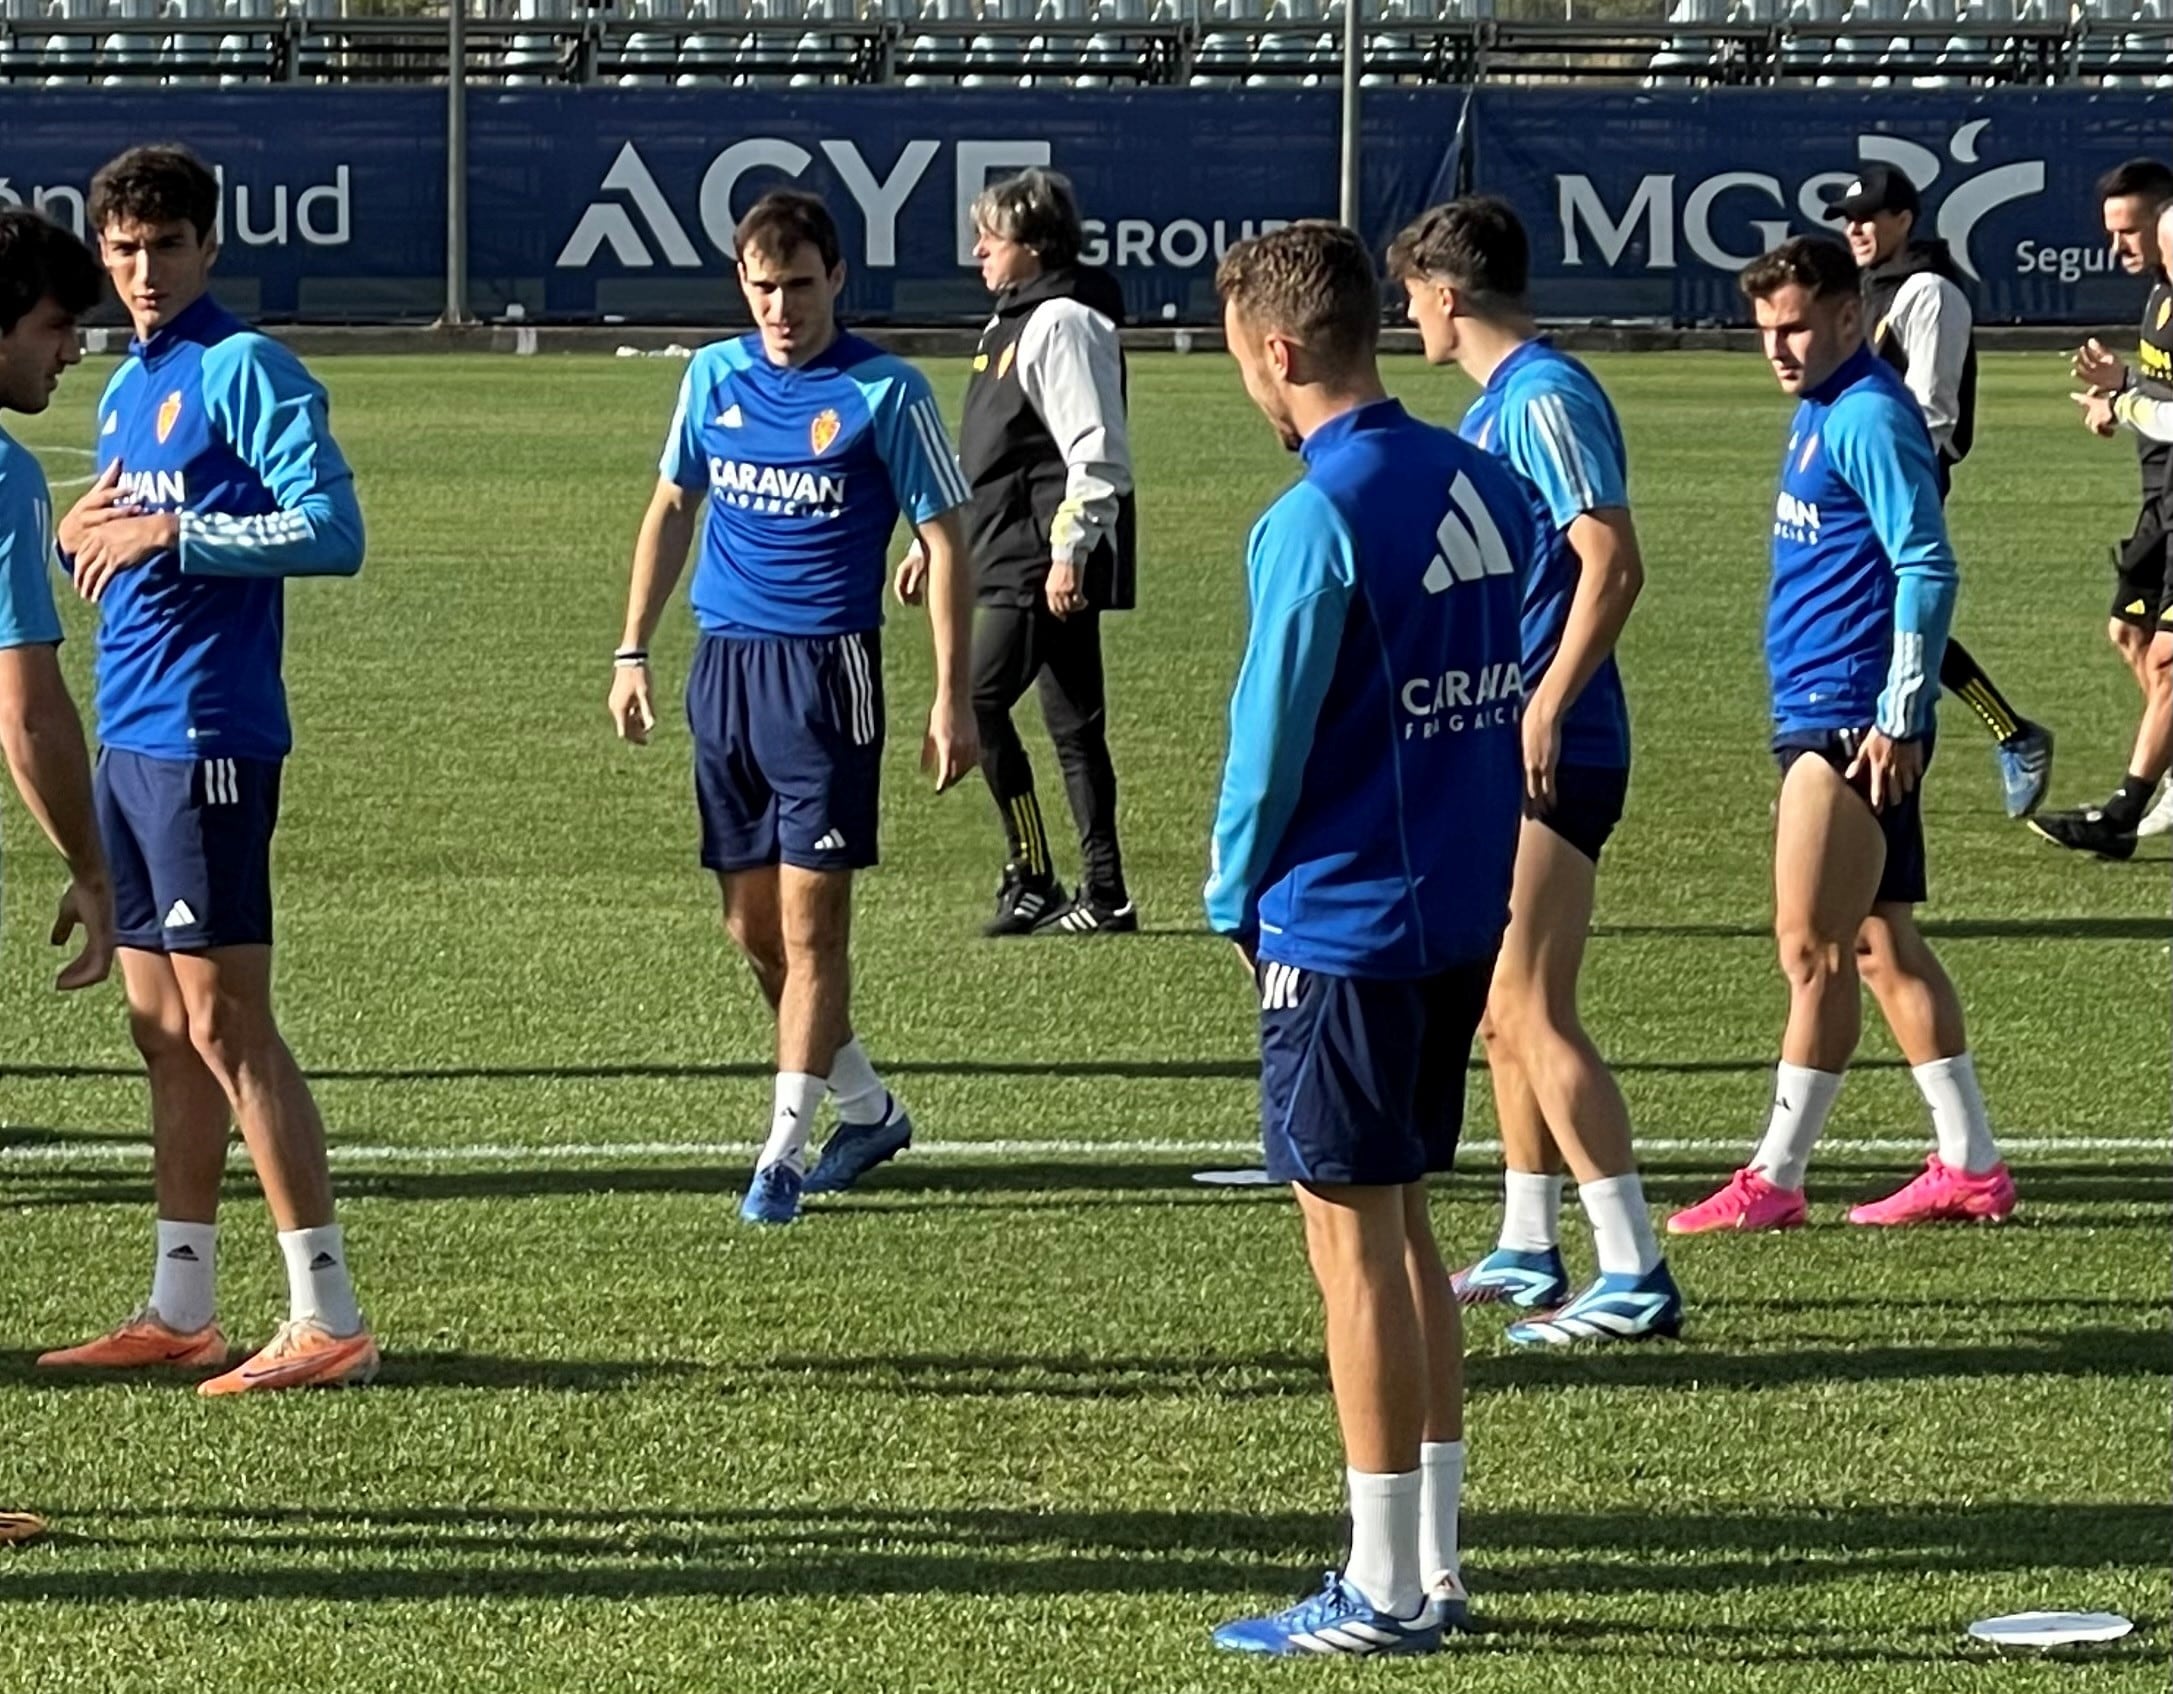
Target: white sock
[1441,1463]
[1384,1557]
[1621,1227]
[859,1092]
[317,1284]
[183,1279]
[798,1095]
[1959,1123]
[1801,1100]
[1531,1211]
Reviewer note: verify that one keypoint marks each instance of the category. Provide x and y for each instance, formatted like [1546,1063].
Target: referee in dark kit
[1052,531]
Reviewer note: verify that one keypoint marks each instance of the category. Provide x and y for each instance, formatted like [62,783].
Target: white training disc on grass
[1233,1179]
[2050,1629]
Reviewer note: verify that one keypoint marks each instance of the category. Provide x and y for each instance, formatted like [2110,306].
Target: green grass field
[1033,1410]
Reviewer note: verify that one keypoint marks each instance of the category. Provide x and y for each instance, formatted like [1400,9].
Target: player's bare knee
[161,1033]
[230,1032]
[1808,959]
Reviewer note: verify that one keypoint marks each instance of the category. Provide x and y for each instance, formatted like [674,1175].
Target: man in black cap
[1921,324]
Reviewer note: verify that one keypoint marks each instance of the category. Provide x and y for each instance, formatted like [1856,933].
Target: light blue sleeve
[1563,439]
[1880,448]
[684,464]
[28,617]
[915,447]
[1302,570]
[272,413]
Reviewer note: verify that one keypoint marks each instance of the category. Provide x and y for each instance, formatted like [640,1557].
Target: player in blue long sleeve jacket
[218,480]
[1863,592]
[1362,857]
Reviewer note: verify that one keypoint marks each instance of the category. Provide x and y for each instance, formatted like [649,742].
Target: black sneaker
[1023,901]
[1089,915]
[2087,830]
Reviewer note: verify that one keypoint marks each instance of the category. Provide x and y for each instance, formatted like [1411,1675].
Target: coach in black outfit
[1044,448]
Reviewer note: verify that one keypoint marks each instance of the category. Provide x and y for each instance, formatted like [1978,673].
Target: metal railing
[1296,44]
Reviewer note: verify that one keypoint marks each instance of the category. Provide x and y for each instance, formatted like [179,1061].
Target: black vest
[1015,469]
[1881,288]
[2154,376]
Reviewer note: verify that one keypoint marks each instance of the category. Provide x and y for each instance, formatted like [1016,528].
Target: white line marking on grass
[1097,1152]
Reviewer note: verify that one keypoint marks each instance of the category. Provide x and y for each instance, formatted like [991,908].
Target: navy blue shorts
[1362,1081]
[189,842]
[788,749]
[1588,802]
[1903,882]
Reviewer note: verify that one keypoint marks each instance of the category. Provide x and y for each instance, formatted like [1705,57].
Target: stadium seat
[532,59]
[1686,58]
[1800,57]
[647,57]
[187,59]
[2151,55]
[2103,53]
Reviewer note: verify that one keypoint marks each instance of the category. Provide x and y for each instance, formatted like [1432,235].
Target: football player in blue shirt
[1863,591]
[807,442]
[1362,857]
[1464,269]
[47,280]
[219,479]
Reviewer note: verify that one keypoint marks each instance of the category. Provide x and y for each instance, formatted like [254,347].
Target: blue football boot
[1337,1620]
[854,1149]
[1613,1308]
[773,1196]
[2025,768]
[1531,1282]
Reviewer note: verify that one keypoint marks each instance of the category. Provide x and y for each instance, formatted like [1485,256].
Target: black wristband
[628,657]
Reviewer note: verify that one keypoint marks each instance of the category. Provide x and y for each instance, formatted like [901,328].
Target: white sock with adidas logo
[184,1279]
[318,1288]
[798,1096]
[859,1092]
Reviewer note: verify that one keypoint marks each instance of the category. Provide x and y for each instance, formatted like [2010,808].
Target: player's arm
[931,492]
[952,748]
[2152,419]
[1564,444]
[1931,324]
[1300,572]
[1071,374]
[274,415]
[42,738]
[1885,455]
[660,559]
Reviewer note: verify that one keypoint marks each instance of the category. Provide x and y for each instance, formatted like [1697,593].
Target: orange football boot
[302,1355]
[18,1527]
[145,1340]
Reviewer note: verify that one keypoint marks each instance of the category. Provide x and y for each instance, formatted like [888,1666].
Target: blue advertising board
[611,203]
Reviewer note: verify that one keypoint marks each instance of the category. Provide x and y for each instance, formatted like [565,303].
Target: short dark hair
[1313,281]
[1815,262]
[779,224]
[1476,244]
[2144,178]
[39,260]
[1038,210]
[155,185]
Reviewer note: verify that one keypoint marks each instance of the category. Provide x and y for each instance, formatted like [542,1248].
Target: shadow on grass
[2095,1195]
[227,1553]
[2145,928]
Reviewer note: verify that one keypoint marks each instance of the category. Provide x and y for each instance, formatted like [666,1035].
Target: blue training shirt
[1548,416]
[223,425]
[807,469]
[1374,785]
[28,616]
[1863,575]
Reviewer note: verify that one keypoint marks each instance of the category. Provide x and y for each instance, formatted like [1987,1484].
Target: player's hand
[119,543]
[2097,412]
[1542,756]
[85,904]
[101,503]
[1894,767]
[911,582]
[953,746]
[632,715]
[1063,591]
[2099,366]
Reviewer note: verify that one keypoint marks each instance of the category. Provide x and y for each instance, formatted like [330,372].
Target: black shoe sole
[2112,856]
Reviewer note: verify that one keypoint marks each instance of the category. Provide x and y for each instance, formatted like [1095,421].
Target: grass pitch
[1033,1410]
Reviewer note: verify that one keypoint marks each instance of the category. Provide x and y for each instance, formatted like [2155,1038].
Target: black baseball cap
[1882,188]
